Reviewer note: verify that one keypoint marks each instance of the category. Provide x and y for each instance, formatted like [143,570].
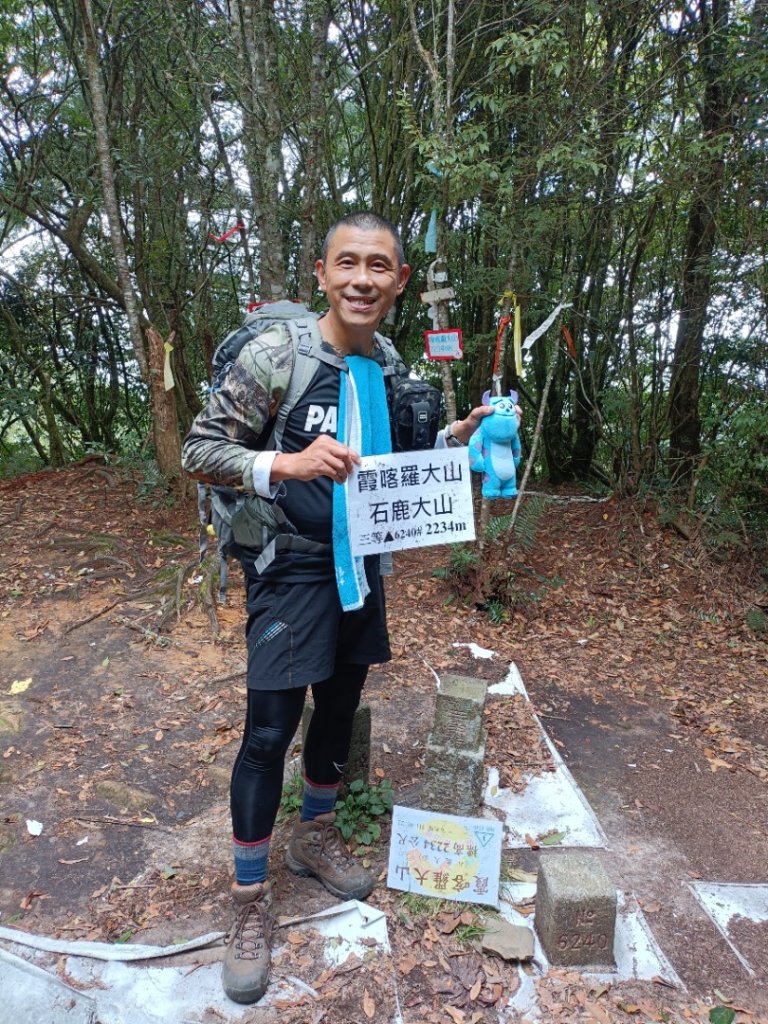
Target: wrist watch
[450,439]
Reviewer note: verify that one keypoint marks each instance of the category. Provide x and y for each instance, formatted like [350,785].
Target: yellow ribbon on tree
[517,335]
[168,380]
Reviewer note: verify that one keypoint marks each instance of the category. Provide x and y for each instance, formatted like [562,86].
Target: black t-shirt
[309,504]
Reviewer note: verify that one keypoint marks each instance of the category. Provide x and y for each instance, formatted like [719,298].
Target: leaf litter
[149,718]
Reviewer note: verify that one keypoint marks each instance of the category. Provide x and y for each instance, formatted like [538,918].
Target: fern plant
[525,525]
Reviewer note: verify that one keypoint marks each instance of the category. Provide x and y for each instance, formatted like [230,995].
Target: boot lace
[248,932]
[333,847]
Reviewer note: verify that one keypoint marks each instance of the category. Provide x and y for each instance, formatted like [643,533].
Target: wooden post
[437,277]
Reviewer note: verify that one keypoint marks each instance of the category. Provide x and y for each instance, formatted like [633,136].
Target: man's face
[362,278]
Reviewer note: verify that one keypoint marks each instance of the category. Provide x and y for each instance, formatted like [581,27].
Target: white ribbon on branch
[543,328]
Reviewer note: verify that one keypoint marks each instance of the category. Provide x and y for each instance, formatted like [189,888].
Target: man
[297,631]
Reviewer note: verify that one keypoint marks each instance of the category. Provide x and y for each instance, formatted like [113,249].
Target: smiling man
[298,631]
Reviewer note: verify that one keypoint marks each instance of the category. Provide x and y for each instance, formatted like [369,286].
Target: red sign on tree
[445,344]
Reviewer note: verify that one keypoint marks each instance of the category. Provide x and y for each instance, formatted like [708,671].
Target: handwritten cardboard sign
[444,344]
[445,855]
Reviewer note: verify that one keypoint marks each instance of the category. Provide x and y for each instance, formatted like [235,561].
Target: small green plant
[469,933]
[497,613]
[462,563]
[292,798]
[757,621]
[421,906]
[356,814]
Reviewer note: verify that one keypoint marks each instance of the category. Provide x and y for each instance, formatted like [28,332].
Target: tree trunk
[255,30]
[316,127]
[696,291]
[164,424]
[163,404]
[107,174]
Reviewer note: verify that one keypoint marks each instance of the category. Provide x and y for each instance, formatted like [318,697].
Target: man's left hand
[462,430]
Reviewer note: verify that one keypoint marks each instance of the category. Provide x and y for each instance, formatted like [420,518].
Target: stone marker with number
[575,910]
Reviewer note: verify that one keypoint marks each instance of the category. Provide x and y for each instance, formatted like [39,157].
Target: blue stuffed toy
[494,448]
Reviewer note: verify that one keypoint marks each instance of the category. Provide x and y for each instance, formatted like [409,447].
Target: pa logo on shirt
[321,420]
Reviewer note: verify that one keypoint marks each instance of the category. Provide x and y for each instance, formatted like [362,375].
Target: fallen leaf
[597,1012]
[551,838]
[369,1006]
[531,842]
[20,685]
[33,894]
[407,964]
[456,1015]
[448,923]
[518,875]
[474,992]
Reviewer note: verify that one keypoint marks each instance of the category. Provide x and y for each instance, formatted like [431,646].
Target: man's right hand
[324,457]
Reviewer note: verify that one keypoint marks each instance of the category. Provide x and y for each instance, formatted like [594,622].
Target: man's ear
[320,273]
[404,276]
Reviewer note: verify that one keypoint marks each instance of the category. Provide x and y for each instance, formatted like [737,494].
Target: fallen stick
[84,622]
[107,820]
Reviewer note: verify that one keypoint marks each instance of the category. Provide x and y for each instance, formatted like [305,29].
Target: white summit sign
[410,500]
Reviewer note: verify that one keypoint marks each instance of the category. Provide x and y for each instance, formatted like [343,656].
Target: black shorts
[297,632]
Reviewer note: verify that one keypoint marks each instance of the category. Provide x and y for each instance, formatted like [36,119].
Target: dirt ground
[633,645]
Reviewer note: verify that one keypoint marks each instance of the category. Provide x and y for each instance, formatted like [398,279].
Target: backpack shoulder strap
[386,355]
[307,351]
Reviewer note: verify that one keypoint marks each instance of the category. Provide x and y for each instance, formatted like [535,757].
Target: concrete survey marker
[637,954]
[736,910]
[551,802]
[576,910]
[454,759]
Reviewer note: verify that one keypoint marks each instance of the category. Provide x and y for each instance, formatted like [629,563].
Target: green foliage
[415,905]
[497,610]
[526,524]
[17,459]
[722,1015]
[463,560]
[151,487]
[570,162]
[357,812]
[292,797]
[757,621]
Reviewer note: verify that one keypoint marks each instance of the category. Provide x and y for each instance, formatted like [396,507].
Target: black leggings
[271,721]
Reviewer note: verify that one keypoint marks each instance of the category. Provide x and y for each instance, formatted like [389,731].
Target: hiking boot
[245,973]
[318,849]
